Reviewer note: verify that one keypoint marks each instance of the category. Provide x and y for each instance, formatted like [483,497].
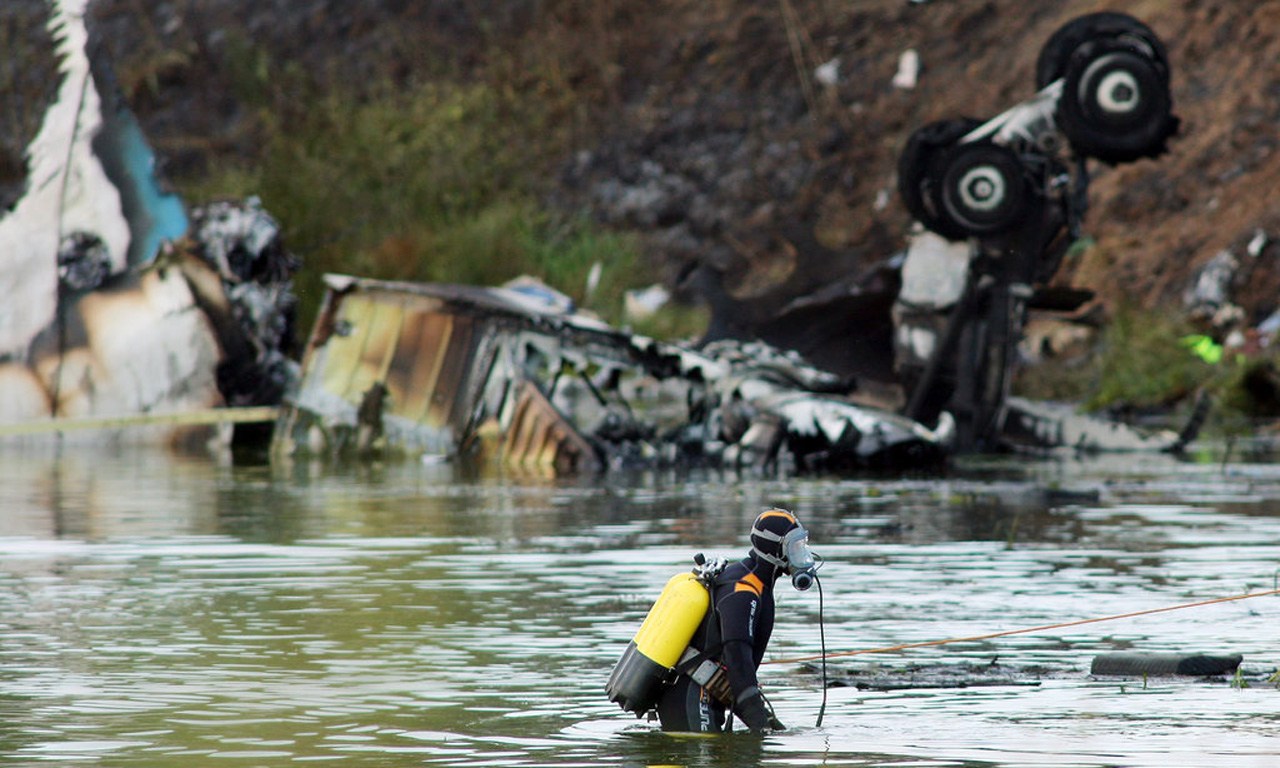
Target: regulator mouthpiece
[803,580]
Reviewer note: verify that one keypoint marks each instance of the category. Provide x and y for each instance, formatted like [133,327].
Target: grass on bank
[439,182]
[1142,363]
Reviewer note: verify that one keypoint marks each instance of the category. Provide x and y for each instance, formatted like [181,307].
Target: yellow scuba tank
[651,656]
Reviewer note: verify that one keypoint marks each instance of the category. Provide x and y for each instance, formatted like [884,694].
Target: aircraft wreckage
[124,304]
[122,307]
[457,371]
[450,370]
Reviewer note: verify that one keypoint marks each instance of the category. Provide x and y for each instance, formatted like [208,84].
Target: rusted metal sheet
[540,437]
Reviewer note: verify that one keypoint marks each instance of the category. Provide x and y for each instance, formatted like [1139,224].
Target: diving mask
[800,560]
[796,557]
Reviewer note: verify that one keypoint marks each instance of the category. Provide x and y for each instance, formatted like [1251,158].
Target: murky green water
[157,611]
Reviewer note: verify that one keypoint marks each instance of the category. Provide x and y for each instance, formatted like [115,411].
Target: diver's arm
[748,702]
[738,612]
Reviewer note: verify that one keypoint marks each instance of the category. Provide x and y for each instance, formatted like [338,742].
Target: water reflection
[158,609]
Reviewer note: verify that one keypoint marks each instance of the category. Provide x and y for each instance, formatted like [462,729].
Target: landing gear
[982,191]
[1115,104]
[1015,187]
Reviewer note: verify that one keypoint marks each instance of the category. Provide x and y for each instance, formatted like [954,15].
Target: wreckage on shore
[464,373]
[457,371]
[132,318]
[128,317]
[453,371]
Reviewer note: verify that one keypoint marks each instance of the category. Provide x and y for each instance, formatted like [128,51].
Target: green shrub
[436,183]
[1143,362]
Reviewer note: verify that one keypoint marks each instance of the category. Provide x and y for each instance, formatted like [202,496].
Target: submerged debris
[923,676]
[1128,664]
[1139,664]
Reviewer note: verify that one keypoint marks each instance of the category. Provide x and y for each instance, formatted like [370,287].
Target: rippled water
[165,611]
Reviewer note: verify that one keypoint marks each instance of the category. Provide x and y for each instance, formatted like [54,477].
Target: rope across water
[1023,631]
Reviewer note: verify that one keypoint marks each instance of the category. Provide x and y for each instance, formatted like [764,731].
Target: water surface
[183,611]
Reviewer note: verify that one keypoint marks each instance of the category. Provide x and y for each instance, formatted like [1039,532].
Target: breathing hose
[822,636]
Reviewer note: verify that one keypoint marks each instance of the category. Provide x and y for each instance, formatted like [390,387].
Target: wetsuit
[743,602]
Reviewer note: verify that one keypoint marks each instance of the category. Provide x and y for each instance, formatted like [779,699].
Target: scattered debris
[1045,427]
[828,74]
[908,74]
[1258,243]
[1210,292]
[644,303]
[465,371]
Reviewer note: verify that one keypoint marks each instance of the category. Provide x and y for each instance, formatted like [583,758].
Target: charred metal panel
[373,334]
[540,437]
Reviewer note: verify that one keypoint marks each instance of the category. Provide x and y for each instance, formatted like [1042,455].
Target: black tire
[920,172]
[1056,53]
[1115,104]
[982,190]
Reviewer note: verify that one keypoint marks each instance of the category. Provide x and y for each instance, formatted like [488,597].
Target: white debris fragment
[1258,244]
[536,296]
[593,280]
[1212,283]
[908,73]
[1270,327]
[935,271]
[829,73]
[643,303]
[882,201]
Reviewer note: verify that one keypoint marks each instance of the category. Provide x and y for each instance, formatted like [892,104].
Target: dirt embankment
[707,126]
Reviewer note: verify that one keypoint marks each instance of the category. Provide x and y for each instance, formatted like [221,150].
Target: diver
[699,683]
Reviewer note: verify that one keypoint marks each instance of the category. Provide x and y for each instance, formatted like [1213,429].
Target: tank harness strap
[693,657]
[703,666]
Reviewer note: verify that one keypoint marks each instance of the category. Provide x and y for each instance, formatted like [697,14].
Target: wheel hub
[982,188]
[1118,92]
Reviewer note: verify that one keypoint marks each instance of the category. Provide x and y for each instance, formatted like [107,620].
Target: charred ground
[703,127]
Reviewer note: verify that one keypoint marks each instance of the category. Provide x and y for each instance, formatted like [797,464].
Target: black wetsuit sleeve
[739,612]
[741,666]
